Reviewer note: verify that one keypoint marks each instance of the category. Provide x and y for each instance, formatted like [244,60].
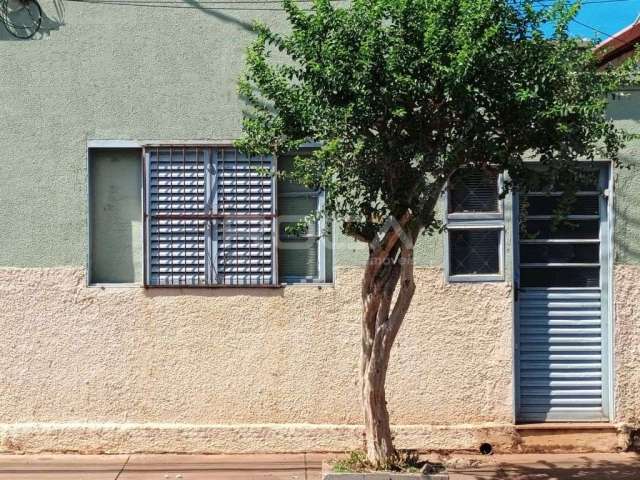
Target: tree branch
[407,290]
[383,251]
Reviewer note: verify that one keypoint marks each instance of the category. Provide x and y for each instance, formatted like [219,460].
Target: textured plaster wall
[627,343]
[428,251]
[625,110]
[114,72]
[143,369]
[74,354]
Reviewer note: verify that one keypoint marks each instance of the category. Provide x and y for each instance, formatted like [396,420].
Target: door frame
[606,182]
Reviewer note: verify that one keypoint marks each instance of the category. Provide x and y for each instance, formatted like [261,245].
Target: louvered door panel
[560,355]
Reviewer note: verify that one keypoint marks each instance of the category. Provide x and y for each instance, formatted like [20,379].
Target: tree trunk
[388,265]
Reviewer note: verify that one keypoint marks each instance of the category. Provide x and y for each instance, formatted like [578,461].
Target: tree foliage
[400,93]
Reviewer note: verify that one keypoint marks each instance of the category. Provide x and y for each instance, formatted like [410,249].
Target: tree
[398,95]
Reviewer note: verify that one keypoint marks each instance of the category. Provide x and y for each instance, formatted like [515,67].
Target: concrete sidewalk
[625,466]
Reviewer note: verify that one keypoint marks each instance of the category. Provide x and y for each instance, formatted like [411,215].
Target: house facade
[151,301]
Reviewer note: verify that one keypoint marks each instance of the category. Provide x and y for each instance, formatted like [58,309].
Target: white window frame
[474,221]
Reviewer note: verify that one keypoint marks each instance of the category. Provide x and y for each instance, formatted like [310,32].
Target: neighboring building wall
[625,109]
[129,369]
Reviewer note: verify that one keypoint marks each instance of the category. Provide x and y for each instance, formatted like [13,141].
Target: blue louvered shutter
[245,231]
[176,207]
[209,217]
[560,355]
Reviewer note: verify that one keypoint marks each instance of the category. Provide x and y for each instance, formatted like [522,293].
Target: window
[210,220]
[475,226]
[563,253]
[306,256]
[115,216]
[210,217]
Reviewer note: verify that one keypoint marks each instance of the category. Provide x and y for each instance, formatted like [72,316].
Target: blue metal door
[562,281]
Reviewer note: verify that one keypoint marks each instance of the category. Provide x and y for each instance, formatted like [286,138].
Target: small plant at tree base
[356,461]
[405,461]
[399,94]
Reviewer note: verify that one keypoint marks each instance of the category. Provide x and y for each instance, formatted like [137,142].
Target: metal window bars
[209,217]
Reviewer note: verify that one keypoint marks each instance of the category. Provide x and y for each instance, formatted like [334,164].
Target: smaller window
[475,226]
[303,256]
[473,191]
[474,252]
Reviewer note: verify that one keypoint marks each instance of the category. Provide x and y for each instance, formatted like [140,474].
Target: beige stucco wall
[101,364]
[627,344]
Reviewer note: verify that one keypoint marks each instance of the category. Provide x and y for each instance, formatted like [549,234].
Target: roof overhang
[619,44]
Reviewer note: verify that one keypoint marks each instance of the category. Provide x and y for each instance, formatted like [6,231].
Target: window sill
[213,287]
[476,216]
[309,284]
[114,285]
[475,278]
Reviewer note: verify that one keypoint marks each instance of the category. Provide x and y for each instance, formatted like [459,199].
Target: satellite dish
[22,18]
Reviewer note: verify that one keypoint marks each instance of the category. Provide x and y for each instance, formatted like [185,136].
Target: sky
[608,16]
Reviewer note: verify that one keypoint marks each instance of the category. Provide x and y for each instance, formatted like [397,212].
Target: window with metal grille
[473,190]
[475,226]
[209,217]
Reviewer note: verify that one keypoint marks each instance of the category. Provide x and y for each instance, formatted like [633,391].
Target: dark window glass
[560,277]
[567,229]
[560,253]
[298,259]
[586,180]
[546,205]
[474,252]
[473,190]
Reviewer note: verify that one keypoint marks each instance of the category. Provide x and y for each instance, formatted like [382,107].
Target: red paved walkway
[302,467]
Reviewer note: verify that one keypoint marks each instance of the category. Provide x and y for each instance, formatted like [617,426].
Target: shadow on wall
[219,15]
[627,247]
[52,20]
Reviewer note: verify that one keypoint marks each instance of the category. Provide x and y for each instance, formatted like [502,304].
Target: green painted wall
[428,251]
[108,72]
[626,111]
[116,216]
[122,72]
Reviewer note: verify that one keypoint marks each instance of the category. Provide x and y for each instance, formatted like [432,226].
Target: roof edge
[618,44]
